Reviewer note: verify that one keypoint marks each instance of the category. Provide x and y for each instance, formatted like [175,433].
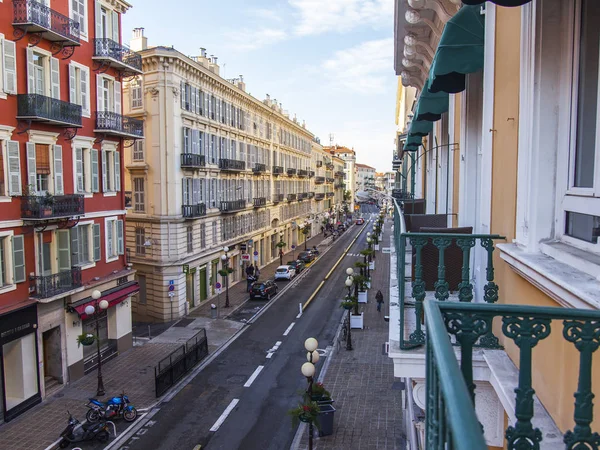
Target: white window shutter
[9,63]
[59,185]
[30,69]
[117,156]
[84,80]
[72,84]
[75,246]
[14,168]
[98,19]
[31,168]
[115,26]
[55,77]
[94,158]
[18,247]
[193,99]
[104,173]
[120,246]
[99,96]
[64,250]
[96,238]
[117,89]
[79,170]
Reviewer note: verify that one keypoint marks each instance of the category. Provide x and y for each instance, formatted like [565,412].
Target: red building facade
[62,206]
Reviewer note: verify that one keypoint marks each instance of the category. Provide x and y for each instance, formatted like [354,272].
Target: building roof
[364,166]
[339,149]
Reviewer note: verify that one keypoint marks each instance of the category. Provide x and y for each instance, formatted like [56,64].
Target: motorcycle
[115,407]
[87,432]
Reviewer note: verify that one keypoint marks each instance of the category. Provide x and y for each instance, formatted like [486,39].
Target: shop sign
[18,324]
[246,257]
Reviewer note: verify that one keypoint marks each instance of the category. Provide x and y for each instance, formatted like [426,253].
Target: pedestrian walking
[250,270]
[379,298]
[256,271]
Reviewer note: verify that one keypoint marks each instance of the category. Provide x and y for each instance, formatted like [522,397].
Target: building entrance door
[53,376]
[203,293]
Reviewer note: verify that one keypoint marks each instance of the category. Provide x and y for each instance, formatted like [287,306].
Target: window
[86,169]
[81,245]
[43,74]
[140,241]
[111,171]
[138,150]
[135,93]
[114,238]
[9,66]
[79,90]
[190,239]
[106,23]
[215,238]
[139,195]
[44,168]
[79,15]
[108,99]
[12,260]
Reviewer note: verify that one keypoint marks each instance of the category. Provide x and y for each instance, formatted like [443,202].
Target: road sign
[218,285]
[171,294]
[255,253]
[386,250]
[293,247]
[243,247]
[171,288]
[255,257]
[171,282]
[246,257]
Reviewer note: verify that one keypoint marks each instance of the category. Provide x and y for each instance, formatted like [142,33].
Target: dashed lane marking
[286,332]
[227,411]
[253,376]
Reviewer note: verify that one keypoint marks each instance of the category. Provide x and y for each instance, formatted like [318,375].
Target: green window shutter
[96,230]
[19,258]
[95,184]
[120,245]
[75,259]
[64,250]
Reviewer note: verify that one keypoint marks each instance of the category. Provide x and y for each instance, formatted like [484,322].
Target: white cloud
[318,16]
[266,14]
[252,39]
[365,68]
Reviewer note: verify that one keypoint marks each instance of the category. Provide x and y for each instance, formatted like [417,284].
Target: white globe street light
[313,357]
[311,344]
[308,369]
[350,271]
[89,310]
[223,257]
[348,282]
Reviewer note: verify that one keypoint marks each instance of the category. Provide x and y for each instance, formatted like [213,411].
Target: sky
[330,62]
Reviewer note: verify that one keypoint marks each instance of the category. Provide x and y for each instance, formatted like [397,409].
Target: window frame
[90,262]
[138,196]
[83,34]
[6,242]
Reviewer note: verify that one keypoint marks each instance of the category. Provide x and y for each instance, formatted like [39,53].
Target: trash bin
[213,311]
[326,419]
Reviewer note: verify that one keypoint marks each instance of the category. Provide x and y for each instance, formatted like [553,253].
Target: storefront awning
[420,128]
[113,298]
[431,105]
[413,143]
[497,2]
[459,52]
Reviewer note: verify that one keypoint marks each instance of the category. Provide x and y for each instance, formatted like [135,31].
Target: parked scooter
[115,408]
[87,432]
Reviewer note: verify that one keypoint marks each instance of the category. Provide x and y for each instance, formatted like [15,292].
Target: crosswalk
[355,254]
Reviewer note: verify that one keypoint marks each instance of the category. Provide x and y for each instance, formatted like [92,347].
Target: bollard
[213,311]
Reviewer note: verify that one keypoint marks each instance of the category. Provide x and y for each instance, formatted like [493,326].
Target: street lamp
[94,310]
[225,259]
[308,370]
[369,241]
[349,281]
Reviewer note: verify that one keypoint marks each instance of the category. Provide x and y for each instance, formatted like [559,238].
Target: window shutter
[99,97]
[31,168]
[9,60]
[79,170]
[84,80]
[193,99]
[64,250]
[59,185]
[14,168]
[104,173]
[184,192]
[72,84]
[94,158]
[198,104]
[120,246]
[117,156]
[117,91]
[18,246]
[30,69]
[115,26]
[55,77]
[196,191]
[96,232]
[75,246]
[98,19]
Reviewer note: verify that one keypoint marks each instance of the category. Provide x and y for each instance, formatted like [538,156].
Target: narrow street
[257,378]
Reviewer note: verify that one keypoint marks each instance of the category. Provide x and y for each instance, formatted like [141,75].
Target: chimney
[138,42]
[203,52]
[212,66]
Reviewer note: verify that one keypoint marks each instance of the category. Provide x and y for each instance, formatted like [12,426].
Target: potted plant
[319,393]
[348,302]
[85,339]
[225,272]
[361,280]
[47,204]
[307,412]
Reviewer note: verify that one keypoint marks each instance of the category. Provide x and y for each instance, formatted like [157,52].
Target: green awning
[420,128]
[413,143]
[497,2]
[459,52]
[431,105]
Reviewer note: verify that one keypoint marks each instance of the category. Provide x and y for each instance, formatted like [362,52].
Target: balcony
[34,17]
[47,286]
[339,174]
[193,211]
[277,198]
[319,164]
[329,166]
[118,56]
[329,180]
[192,161]
[319,180]
[277,170]
[259,202]
[39,108]
[291,197]
[302,173]
[338,186]
[310,195]
[115,124]
[311,173]
[232,165]
[319,196]
[259,168]
[232,206]
[291,172]
[329,194]
[46,207]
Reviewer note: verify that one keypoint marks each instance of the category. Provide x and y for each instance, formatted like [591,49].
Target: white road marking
[298,316]
[286,332]
[253,376]
[269,355]
[227,411]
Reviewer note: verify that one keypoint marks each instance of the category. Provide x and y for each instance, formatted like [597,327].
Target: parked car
[306,257]
[265,289]
[360,221]
[285,273]
[298,265]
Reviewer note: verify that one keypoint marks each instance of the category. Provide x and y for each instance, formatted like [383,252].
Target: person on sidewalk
[379,298]
[256,271]
[250,279]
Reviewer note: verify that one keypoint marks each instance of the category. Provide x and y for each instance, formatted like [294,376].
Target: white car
[285,273]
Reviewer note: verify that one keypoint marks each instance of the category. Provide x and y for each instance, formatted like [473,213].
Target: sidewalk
[132,371]
[368,406]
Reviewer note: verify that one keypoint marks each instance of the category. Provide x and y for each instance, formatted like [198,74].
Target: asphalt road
[258,413]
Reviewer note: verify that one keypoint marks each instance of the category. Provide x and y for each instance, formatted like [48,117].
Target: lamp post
[308,370]
[95,311]
[225,259]
[349,281]
[368,260]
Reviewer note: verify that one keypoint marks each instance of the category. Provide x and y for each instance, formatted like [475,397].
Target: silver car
[285,273]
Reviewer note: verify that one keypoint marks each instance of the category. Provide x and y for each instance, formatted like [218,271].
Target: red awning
[114,298]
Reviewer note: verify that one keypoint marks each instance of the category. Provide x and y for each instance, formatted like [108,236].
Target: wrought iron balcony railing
[311,173]
[319,196]
[259,202]
[329,194]
[302,173]
[277,170]
[302,195]
[400,194]
[277,198]
[193,211]
[329,166]
[310,194]
[40,108]
[259,168]
[319,180]
[291,172]
[451,388]
[44,207]
[112,123]
[339,174]
[47,286]
[338,186]
[117,55]
[291,197]
[34,17]
[233,165]
[192,160]
[329,180]
[319,163]
[232,205]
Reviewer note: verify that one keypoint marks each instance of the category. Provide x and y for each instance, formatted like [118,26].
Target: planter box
[376,247]
[369,284]
[362,297]
[357,321]
[372,265]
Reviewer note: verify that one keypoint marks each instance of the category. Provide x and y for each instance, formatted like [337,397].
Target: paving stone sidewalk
[368,407]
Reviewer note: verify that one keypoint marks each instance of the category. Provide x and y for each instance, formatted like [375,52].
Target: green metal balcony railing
[441,266]
[448,392]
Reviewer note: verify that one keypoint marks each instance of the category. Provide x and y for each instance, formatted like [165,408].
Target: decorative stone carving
[152,91]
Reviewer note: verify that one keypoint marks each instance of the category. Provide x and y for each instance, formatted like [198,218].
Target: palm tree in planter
[360,289]
[280,246]
[367,253]
[305,231]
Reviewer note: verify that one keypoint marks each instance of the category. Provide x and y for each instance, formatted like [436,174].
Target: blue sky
[330,62]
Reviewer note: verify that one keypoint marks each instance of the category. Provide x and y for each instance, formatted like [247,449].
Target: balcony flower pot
[85,339]
[362,297]
[357,321]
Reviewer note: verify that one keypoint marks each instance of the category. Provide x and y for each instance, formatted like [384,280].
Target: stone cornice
[119,6]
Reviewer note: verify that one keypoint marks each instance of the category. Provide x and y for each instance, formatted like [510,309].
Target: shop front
[20,387]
